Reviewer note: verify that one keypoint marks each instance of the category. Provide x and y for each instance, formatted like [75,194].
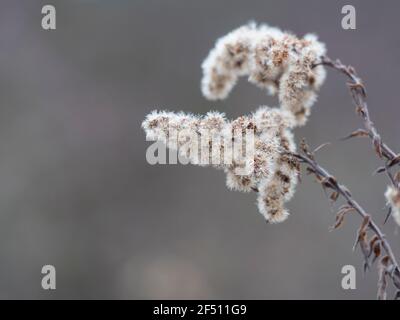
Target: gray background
[75,188]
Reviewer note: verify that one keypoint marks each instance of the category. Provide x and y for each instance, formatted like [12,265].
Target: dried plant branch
[359,96]
[358,93]
[388,265]
[293,69]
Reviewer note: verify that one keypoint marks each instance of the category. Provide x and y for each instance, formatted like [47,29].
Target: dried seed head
[252,150]
[271,201]
[239,183]
[273,60]
[266,118]
[227,61]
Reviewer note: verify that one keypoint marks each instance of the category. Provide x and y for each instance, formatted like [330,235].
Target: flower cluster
[277,61]
[250,149]
[393,199]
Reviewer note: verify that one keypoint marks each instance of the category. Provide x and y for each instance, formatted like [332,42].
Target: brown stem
[323,175]
[358,93]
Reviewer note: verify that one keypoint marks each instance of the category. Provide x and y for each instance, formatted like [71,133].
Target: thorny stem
[320,172]
[358,93]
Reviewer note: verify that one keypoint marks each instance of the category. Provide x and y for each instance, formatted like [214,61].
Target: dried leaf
[329,182]
[338,223]
[340,217]
[379,170]
[394,161]
[356,243]
[364,248]
[334,196]
[310,170]
[382,281]
[362,232]
[388,215]
[365,223]
[372,242]
[321,147]
[378,146]
[377,251]
[356,134]
[385,261]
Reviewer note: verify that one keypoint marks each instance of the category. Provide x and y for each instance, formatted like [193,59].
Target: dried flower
[250,149]
[293,69]
[227,61]
[275,60]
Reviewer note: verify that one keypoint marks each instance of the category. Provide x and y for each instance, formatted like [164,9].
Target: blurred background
[76,191]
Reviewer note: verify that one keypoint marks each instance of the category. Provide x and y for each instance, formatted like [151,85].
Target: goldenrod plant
[292,68]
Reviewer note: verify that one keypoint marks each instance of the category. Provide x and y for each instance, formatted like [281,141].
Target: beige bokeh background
[76,190]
